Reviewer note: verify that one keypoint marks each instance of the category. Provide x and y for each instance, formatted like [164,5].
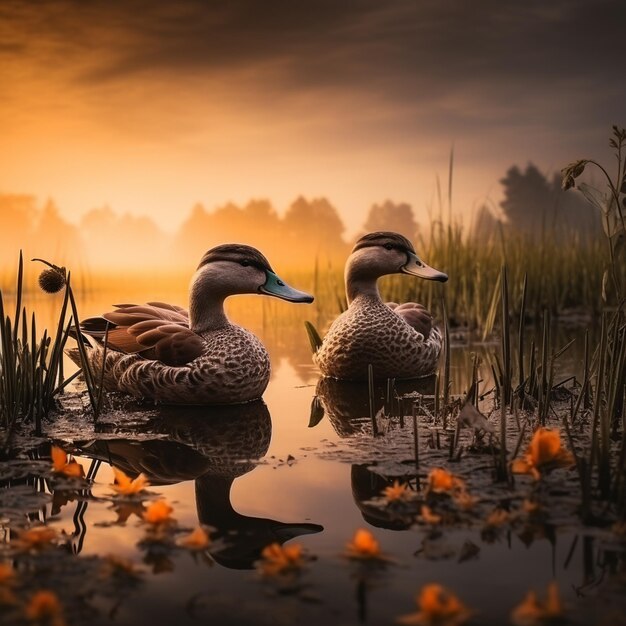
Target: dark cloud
[399,68]
[401,44]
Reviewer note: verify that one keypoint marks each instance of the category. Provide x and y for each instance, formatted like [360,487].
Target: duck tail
[314,337]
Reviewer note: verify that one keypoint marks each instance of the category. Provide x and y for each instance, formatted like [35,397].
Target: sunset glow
[150,108]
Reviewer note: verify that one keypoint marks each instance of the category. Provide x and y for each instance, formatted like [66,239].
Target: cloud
[276,86]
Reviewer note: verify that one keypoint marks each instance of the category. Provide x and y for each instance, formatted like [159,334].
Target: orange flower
[45,607]
[158,512]
[497,517]
[544,453]
[363,546]
[35,538]
[443,481]
[196,540]
[60,464]
[437,607]
[397,492]
[531,612]
[428,516]
[277,559]
[127,487]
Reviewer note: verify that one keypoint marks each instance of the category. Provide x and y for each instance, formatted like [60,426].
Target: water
[274,471]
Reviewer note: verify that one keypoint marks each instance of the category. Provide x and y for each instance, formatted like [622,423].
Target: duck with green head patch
[161,352]
[399,341]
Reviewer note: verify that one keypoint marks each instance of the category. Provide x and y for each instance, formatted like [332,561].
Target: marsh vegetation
[492,491]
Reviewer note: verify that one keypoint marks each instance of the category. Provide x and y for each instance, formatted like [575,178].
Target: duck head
[232,269]
[381,253]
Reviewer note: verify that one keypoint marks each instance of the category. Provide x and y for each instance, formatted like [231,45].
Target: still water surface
[260,473]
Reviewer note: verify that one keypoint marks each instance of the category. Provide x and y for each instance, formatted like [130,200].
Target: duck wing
[155,330]
[417,316]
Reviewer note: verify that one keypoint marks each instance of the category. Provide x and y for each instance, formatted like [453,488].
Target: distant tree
[18,212]
[56,239]
[534,204]
[391,216]
[138,237]
[315,226]
[195,235]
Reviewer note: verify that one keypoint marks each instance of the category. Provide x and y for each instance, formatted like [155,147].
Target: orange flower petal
[437,606]
[440,480]
[277,559]
[73,469]
[59,458]
[544,446]
[520,466]
[397,492]
[60,464]
[363,545]
[125,486]
[158,512]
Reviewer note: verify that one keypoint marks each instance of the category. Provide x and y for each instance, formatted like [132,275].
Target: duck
[164,353]
[397,340]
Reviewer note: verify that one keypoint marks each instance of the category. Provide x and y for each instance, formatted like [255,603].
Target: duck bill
[416,267]
[274,286]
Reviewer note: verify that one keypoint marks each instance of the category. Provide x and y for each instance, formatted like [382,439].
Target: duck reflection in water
[212,446]
[346,405]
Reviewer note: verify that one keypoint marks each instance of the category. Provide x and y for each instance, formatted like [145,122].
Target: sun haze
[148,108]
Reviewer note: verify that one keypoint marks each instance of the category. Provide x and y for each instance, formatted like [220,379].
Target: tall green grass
[31,361]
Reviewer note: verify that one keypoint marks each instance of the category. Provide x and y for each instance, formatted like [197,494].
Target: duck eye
[388,246]
[244,263]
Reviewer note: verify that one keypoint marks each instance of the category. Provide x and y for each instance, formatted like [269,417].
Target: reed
[607,367]
[31,365]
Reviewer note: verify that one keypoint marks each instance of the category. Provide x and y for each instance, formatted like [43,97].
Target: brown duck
[399,341]
[164,353]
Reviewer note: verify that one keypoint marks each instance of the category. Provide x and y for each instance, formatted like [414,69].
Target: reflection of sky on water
[316,489]
[319,491]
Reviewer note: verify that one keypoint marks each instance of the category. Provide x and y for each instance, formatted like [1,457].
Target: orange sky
[150,107]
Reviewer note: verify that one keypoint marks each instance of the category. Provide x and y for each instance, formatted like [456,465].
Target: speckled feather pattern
[234,368]
[370,332]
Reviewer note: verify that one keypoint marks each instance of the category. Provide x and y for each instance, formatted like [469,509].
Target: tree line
[308,230]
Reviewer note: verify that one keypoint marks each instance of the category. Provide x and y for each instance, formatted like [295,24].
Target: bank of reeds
[31,361]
